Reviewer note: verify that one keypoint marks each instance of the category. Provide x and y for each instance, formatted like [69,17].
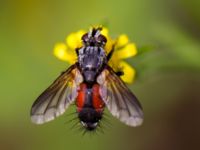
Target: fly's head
[94,38]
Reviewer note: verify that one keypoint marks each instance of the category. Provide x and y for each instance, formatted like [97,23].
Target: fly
[93,85]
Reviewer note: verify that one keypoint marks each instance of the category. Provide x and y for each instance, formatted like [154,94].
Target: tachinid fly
[92,84]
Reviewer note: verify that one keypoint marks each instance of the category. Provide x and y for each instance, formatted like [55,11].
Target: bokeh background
[168,83]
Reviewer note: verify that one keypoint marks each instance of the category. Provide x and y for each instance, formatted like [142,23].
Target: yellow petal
[128,51]
[79,35]
[60,51]
[74,39]
[71,40]
[129,72]
[109,45]
[122,40]
[104,32]
[114,63]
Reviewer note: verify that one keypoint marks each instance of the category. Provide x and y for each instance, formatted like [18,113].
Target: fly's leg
[119,73]
[110,53]
[77,51]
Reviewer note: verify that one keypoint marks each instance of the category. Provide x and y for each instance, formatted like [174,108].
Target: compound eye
[85,37]
[102,39]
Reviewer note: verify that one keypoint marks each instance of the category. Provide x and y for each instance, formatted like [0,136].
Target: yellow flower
[66,51]
[123,49]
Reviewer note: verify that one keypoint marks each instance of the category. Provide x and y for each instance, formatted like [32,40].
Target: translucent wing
[120,101]
[57,97]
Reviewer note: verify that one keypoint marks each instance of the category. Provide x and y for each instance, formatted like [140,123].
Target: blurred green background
[168,84]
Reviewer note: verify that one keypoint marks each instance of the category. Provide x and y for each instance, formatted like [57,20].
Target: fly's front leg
[120,72]
[110,53]
[77,49]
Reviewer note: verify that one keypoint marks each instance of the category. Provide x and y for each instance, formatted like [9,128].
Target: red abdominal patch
[98,104]
[81,97]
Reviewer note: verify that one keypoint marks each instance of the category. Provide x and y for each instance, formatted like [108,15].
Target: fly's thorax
[91,60]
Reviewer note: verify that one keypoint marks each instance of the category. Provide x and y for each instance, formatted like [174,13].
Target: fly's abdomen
[89,106]
[80,100]
[97,101]
[89,97]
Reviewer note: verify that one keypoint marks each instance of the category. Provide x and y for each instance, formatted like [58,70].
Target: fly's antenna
[95,31]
